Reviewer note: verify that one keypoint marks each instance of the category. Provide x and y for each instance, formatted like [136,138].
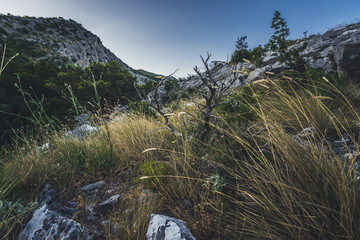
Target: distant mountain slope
[150,75]
[55,38]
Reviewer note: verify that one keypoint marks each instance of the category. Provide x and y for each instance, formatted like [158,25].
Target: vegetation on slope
[52,84]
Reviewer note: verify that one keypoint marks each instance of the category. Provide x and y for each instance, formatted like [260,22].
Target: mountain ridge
[57,38]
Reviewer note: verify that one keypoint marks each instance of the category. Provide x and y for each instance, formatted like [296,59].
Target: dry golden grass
[255,184]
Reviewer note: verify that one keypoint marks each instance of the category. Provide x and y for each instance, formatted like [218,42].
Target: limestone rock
[93,186]
[167,228]
[44,148]
[82,131]
[309,132]
[305,137]
[337,50]
[109,204]
[47,224]
[47,194]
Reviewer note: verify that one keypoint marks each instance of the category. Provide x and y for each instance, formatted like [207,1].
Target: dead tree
[212,90]
[153,99]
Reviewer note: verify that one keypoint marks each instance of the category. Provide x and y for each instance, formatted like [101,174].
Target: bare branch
[157,106]
[137,90]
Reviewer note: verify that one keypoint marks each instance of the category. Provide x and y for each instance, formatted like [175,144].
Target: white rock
[49,225]
[82,131]
[167,228]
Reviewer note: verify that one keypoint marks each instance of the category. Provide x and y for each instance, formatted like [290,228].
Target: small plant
[215,183]
[12,215]
[155,170]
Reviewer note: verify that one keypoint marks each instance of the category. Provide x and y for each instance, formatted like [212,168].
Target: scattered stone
[119,113]
[189,204]
[167,228]
[47,147]
[351,156]
[129,211]
[82,131]
[73,204]
[93,186]
[189,104]
[308,133]
[109,204]
[96,230]
[104,223]
[93,216]
[305,137]
[145,196]
[345,140]
[82,119]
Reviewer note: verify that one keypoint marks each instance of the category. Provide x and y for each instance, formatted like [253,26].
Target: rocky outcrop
[88,217]
[57,219]
[336,51]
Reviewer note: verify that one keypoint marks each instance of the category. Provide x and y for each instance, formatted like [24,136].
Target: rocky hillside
[41,38]
[336,51]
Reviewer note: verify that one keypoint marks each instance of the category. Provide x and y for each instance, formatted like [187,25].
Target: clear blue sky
[164,35]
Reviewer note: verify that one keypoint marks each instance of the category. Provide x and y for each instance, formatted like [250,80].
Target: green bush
[238,107]
[154,172]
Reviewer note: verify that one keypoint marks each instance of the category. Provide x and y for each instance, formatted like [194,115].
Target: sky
[162,36]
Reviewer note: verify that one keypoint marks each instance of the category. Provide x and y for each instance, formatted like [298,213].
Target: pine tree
[241,51]
[279,41]
[241,43]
